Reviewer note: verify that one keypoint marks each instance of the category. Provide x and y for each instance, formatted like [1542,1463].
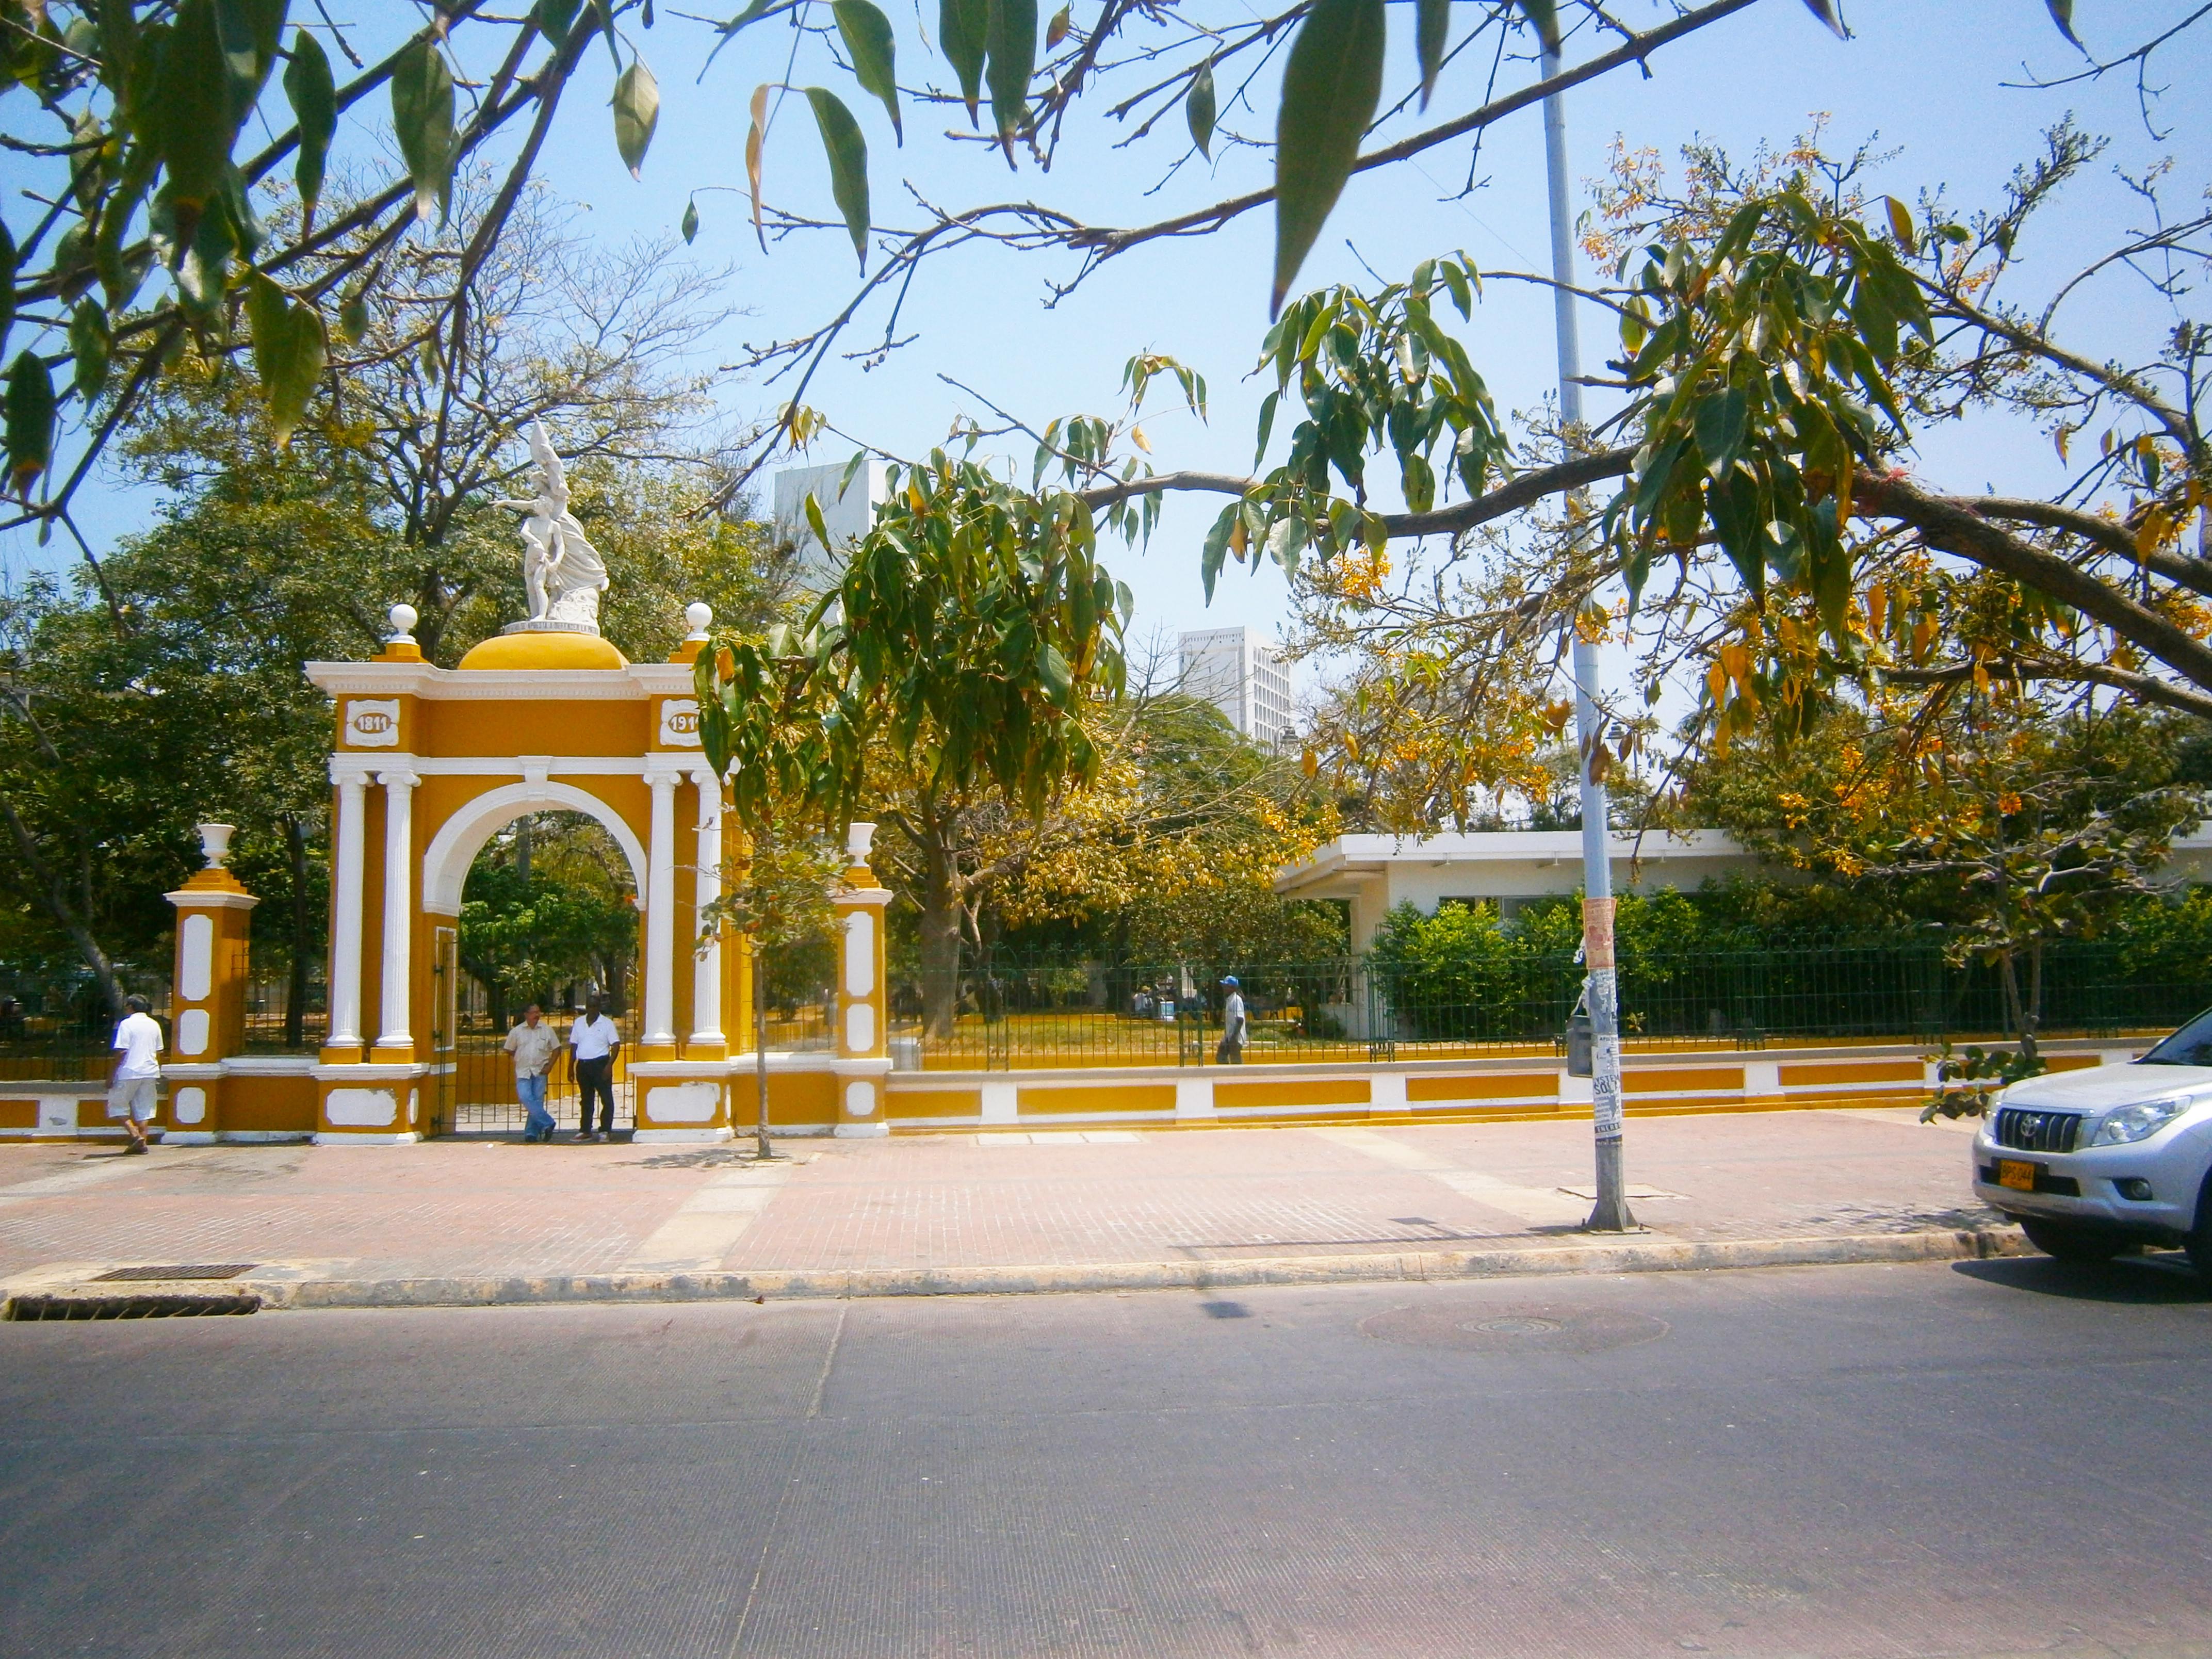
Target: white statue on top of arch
[562,571]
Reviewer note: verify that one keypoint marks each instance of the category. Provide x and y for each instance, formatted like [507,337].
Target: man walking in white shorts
[137,1074]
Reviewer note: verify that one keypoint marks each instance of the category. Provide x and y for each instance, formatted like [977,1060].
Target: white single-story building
[1376,873]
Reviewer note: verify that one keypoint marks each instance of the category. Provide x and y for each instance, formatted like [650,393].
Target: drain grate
[203,1270]
[178,1305]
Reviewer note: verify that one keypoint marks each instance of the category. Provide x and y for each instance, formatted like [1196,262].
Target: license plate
[2017,1174]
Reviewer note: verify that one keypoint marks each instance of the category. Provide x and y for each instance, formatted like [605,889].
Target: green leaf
[2061,13]
[553,19]
[690,225]
[1432,31]
[314,98]
[8,257]
[1012,37]
[203,272]
[848,164]
[289,352]
[867,36]
[963,30]
[1545,14]
[88,349]
[1266,425]
[190,107]
[1198,109]
[1461,291]
[1330,88]
[1216,547]
[637,113]
[1058,30]
[30,420]
[1720,425]
[251,32]
[1825,11]
[118,49]
[422,121]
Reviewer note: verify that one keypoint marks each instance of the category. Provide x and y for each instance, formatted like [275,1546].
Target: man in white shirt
[131,1086]
[595,1039]
[533,1044]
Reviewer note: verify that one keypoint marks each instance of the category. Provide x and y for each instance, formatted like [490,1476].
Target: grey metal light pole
[1600,987]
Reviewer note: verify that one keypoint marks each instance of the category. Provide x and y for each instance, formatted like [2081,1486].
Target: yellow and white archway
[428,765]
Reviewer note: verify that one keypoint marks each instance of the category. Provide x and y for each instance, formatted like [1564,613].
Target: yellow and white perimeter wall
[427,764]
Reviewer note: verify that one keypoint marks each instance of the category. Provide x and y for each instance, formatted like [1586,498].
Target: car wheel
[2199,1241]
[2070,1241]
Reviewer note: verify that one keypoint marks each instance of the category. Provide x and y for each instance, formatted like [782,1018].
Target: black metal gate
[473,1072]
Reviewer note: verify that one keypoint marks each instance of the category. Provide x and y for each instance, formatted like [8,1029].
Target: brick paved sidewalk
[478,1209]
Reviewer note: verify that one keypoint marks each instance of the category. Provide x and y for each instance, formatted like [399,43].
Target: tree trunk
[303,940]
[2032,1015]
[53,897]
[2008,976]
[760,1049]
[941,936]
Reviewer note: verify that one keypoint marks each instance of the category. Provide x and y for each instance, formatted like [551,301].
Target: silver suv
[2096,1162]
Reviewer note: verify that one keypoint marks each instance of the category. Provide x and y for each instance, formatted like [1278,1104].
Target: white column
[660,909]
[707,975]
[398,905]
[345,911]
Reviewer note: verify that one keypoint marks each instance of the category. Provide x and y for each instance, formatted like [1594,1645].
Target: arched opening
[547,914]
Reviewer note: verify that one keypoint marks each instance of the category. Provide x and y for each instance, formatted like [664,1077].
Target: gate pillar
[863,1062]
[208,1014]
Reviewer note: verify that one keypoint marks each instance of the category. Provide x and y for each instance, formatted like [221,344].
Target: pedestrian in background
[534,1043]
[1230,1051]
[136,1077]
[595,1039]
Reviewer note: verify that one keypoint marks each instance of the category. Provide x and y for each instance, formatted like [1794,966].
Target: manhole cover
[201,1270]
[1514,1330]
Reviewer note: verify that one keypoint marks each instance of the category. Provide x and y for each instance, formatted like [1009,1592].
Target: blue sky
[1924,76]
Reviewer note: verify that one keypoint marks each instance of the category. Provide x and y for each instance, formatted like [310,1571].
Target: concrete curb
[1628,1255]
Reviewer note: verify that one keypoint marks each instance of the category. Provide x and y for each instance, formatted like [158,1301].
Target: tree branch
[1952,526]
[1525,490]
[1107,243]
[2141,686]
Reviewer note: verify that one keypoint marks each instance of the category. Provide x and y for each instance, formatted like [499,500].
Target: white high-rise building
[848,511]
[1240,674]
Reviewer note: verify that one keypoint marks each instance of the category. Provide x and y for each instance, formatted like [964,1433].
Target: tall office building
[1241,675]
[848,511]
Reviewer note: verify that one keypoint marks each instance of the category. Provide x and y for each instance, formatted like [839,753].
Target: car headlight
[2140,1122]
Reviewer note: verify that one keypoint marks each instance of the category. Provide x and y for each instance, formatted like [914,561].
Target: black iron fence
[1006,1012]
[281,1017]
[56,1024]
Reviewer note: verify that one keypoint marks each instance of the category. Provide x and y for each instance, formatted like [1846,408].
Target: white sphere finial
[700,617]
[404,618]
[214,842]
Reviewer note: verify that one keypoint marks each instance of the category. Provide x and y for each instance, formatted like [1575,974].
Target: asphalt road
[1987,1457]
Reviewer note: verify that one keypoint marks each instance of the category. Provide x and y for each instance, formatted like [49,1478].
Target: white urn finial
[699,618]
[859,838]
[214,842]
[404,618]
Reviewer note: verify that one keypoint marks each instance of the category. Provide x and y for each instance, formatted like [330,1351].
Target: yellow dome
[544,651]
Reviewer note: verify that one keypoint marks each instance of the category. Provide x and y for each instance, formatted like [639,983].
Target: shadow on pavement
[2160,1277]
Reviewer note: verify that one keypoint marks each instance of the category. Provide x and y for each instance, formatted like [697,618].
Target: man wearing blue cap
[1230,1051]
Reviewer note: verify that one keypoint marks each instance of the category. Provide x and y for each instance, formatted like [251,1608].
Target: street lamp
[1600,987]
